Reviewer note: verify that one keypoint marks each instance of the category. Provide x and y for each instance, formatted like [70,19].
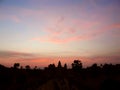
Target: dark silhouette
[59,65]
[35,67]
[65,66]
[16,65]
[95,77]
[51,66]
[27,67]
[77,65]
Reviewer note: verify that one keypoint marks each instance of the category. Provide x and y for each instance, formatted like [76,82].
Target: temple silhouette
[58,77]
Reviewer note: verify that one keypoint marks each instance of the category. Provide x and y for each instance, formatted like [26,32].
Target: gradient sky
[40,32]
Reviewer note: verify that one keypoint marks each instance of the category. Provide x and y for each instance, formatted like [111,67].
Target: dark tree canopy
[27,67]
[51,66]
[95,77]
[16,65]
[77,65]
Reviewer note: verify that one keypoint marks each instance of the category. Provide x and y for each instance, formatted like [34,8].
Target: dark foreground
[104,77]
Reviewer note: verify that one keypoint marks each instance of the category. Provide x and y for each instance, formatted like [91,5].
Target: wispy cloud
[6,54]
[78,31]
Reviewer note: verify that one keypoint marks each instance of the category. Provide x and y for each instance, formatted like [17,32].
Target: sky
[40,32]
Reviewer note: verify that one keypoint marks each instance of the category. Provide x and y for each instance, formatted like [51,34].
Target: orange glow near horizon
[44,62]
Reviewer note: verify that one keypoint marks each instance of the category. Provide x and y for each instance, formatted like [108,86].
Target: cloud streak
[85,30]
[6,54]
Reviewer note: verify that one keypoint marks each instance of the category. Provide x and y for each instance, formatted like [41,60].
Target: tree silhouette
[27,67]
[21,67]
[105,77]
[1,66]
[94,66]
[77,65]
[16,65]
[35,67]
[51,66]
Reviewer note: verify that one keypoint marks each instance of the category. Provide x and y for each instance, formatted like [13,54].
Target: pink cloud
[70,35]
[66,29]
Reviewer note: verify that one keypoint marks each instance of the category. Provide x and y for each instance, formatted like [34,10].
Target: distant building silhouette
[59,65]
[65,66]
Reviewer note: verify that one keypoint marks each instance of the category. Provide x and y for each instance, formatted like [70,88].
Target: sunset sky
[40,32]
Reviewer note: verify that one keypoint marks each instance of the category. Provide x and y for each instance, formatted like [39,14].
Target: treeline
[58,77]
[76,65]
